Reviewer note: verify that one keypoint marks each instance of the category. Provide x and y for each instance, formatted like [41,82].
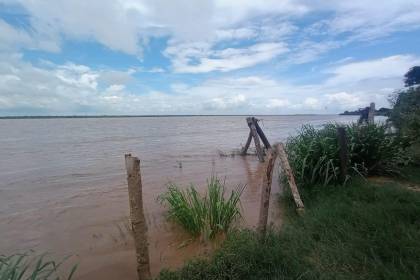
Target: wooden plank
[261,134]
[342,142]
[254,133]
[289,174]
[248,142]
[266,191]
[138,221]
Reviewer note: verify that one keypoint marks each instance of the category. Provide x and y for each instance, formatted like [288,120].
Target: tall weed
[207,215]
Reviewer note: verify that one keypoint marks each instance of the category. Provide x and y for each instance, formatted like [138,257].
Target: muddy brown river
[63,184]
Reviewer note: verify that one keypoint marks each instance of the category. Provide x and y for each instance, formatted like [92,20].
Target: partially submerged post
[138,221]
[266,191]
[342,142]
[289,174]
[261,134]
[371,115]
[367,115]
[256,132]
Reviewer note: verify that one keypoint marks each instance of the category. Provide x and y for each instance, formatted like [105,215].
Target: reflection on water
[63,188]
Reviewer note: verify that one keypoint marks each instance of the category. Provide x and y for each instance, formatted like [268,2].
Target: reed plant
[205,215]
[27,267]
[314,153]
[186,207]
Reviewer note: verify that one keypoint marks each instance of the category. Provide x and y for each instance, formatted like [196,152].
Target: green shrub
[206,215]
[405,115]
[25,267]
[314,153]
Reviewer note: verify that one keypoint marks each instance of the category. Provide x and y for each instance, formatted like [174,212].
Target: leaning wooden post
[261,134]
[256,139]
[342,143]
[138,222]
[291,179]
[371,115]
[248,142]
[265,192]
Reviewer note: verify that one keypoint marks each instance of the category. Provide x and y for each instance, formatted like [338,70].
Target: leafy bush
[206,215]
[25,267]
[405,115]
[314,154]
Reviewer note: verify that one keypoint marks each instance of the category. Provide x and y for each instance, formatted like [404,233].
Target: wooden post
[265,192]
[256,139]
[248,142]
[261,134]
[138,222]
[371,116]
[291,179]
[342,142]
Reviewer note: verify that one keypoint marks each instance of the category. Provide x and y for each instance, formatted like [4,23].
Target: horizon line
[150,116]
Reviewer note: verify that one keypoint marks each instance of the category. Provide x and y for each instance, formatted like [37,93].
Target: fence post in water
[290,178]
[342,142]
[265,192]
[261,134]
[248,142]
[254,133]
[371,115]
[138,222]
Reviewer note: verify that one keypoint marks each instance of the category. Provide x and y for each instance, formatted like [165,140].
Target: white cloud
[199,58]
[311,103]
[78,89]
[13,38]
[205,35]
[344,99]
[277,103]
[392,67]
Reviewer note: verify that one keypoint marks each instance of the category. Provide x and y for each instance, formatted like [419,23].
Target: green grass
[314,153]
[207,215]
[28,267]
[358,231]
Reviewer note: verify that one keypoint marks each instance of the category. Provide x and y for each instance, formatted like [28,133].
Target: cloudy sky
[62,57]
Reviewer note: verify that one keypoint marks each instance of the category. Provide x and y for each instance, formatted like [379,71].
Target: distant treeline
[381,112]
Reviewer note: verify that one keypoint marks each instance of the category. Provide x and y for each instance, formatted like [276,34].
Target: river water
[63,184]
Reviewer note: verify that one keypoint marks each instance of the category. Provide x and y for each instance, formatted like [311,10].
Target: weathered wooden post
[266,191]
[342,143]
[138,221]
[248,142]
[261,134]
[291,179]
[254,133]
[371,115]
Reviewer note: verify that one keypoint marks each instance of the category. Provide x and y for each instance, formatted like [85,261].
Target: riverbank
[365,230]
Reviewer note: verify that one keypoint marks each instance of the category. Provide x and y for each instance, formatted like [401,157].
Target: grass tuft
[25,267]
[207,215]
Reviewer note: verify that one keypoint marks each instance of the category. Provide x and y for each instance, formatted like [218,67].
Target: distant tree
[412,77]
[405,113]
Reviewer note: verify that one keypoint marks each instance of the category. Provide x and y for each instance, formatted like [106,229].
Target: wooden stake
[265,192]
[248,142]
[138,222]
[371,116]
[261,134]
[256,139]
[291,179]
[342,142]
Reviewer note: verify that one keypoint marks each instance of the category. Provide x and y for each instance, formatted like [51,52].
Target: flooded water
[63,184]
